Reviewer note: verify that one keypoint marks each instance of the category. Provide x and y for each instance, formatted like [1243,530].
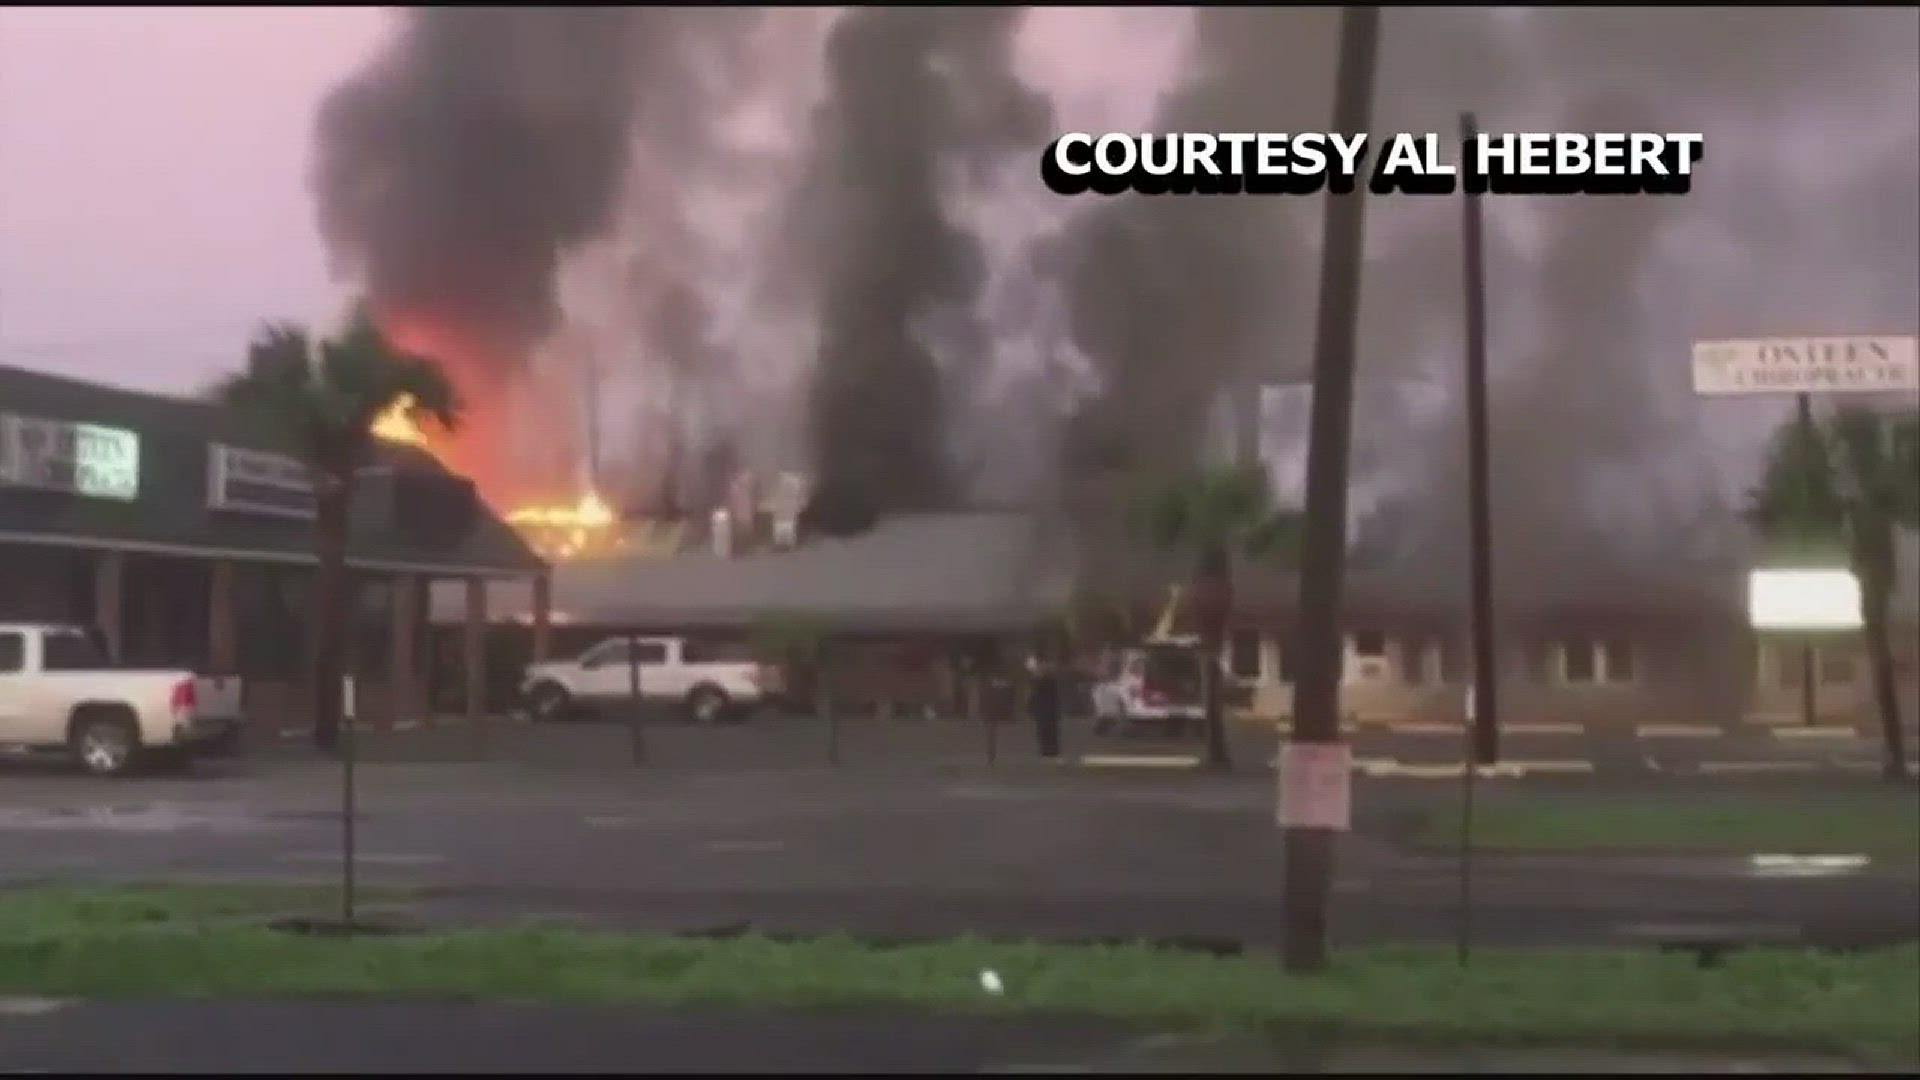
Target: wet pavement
[896,854]
[38,1035]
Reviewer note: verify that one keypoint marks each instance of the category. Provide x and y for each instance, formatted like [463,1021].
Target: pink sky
[153,193]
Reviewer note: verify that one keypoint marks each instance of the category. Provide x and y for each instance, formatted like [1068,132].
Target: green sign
[106,462]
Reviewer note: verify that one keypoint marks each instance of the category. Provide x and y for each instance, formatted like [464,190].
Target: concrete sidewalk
[427,1037]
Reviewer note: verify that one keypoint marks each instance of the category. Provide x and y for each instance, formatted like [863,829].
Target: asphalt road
[380,1037]
[895,853]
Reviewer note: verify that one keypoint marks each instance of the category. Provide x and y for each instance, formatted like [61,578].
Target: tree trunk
[1213,610]
[330,588]
[1873,564]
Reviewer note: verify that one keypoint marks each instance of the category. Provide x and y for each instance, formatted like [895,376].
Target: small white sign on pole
[1316,786]
[1812,365]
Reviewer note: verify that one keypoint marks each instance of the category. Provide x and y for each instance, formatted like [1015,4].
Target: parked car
[60,694]
[1159,686]
[670,670]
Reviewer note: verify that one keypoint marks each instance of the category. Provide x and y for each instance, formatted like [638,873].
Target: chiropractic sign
[1806,365]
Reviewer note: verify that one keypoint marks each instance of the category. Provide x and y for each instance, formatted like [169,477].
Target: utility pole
[1482,712]
[1316,773]
[1485,718]
[1809,693]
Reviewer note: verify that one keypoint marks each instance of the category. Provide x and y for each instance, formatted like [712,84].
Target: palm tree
[1212,515]
[1852,481]
[320,402]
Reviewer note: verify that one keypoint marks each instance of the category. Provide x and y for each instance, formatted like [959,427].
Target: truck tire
[105,741]
[707,704]
[549,701]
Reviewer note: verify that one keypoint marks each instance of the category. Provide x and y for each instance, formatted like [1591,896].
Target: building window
[1617,660]
[1371,644]
[1413,661]
[1788,666]
[1243,654]
[1586,661]
[1539,658]
[1836,666]
[1578,661]
[13,653]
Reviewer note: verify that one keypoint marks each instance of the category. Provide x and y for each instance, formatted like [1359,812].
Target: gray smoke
[1603,457]
[911,93]
[1175,299]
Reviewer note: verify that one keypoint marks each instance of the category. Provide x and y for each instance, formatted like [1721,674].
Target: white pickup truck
[58,693]
[707,680]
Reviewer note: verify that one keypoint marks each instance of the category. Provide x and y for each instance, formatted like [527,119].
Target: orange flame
[588,527]
[397,424]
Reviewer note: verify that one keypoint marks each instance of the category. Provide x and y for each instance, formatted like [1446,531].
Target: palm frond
[326,397]
[1277,538]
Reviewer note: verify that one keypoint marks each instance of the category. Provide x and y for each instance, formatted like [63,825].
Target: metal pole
[1486,717]
[1809,693]
[1310,849]
[832,717]
[636,734]
[347,801]
[993,727]
[1468,772]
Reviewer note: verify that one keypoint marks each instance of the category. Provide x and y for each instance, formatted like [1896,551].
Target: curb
[442,724]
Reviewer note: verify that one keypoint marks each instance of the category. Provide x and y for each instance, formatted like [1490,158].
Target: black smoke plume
[910,93]
[1174,299]
[458,168]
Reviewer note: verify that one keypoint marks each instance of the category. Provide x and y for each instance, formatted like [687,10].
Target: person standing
[1043,703]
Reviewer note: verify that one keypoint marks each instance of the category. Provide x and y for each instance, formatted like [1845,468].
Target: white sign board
[106,462]
[61,455]
[1806,365]
[1316,786]
[1803,600]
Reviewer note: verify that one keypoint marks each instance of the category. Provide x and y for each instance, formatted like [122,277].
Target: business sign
[1806,365]
[258,482]
[1803,600]
[60,455]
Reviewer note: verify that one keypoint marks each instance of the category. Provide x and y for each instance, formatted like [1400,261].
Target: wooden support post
[542,616]
[403,676]
[222,642]
[474,668]
[109,606]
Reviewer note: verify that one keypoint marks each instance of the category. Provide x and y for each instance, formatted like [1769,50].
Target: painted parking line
[1543,729]
[1873,764]
[1390,767]
[1759,766]
[1679,731]
[1422,727]
[1347,727]
[1827,732]
[1435,727]
[1140,761]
